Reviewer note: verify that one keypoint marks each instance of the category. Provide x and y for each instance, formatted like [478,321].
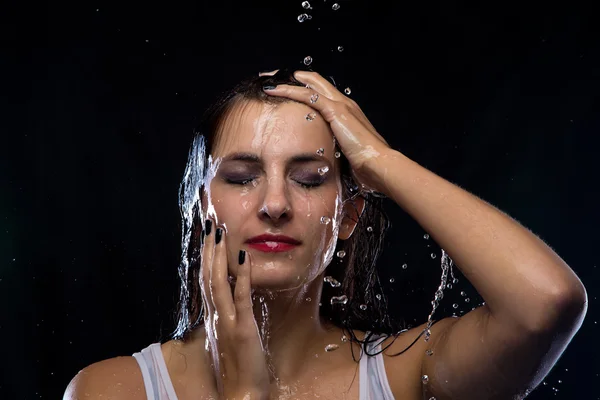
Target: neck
[290,327]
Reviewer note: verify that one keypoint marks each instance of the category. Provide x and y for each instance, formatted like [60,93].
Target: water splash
[306,5]
[304,17]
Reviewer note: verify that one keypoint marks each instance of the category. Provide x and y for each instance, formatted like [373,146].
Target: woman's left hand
[356,136]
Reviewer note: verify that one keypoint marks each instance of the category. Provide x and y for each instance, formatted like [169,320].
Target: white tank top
[373,383]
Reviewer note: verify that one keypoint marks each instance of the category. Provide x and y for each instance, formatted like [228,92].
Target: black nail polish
[207,227]
[218,235]
[269,87]
[241,257]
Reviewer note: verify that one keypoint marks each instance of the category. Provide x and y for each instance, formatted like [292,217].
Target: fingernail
[207,226]
[218,235]
[241,257]
[269,87]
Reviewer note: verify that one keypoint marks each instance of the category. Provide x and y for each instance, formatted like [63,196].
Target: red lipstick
[272,243]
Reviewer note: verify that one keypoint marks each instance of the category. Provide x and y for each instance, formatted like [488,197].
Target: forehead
[272,130]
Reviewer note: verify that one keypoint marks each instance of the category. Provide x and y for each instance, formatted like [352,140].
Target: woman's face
[283,186]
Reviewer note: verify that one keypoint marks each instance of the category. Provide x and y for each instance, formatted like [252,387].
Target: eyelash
[305,185]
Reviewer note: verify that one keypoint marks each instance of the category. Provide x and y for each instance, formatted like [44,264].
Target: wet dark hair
[356,272]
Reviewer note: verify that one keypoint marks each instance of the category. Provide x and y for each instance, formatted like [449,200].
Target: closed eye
[244,182]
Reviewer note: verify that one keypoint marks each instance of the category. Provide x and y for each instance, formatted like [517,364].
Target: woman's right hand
[237,353]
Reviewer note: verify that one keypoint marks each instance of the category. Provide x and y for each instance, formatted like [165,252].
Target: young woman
[279,299]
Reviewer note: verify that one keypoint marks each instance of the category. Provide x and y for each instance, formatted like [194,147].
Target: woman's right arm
[116,378]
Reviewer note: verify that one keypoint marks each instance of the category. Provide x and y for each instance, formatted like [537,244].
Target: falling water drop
[337,154]
[369,229]
[347,90]
[467,300]
[363,307]
[308,299]
[378,296]
[308,60]
[404,266]
[433,255]
[306,5]
[454,305]
[331,347]
[325,220]
[302,17]
[332,281]
[426,236]
[321,151]
[322,170]
[341,254]
[392,280]
[340,48]
[343,299]
[463,293]
[335,7]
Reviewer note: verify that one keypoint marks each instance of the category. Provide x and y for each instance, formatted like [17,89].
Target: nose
[276,205]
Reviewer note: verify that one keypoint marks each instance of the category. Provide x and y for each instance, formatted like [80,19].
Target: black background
[98,103]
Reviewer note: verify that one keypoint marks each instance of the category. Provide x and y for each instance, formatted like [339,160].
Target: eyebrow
[254,159]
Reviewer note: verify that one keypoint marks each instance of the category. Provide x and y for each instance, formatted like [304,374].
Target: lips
[272,243]
[273,238]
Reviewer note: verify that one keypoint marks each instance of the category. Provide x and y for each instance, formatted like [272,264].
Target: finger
[340,115]
[269,73]
[242,299]
[221,291]
[322,85]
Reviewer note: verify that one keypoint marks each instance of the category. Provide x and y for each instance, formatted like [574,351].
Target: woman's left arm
[534,302]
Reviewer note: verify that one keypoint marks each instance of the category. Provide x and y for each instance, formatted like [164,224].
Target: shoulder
[404,371]
[114,378]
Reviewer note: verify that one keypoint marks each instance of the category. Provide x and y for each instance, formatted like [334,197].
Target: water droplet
[454,305]
[425,379]
[311,116]
[306,5]
[404,266]
[467,300]
[325,220]
[302,17]
[454,280]
[321,151]
[308,299]
[340,48]
[344,338]
[392,280]
[337,154]
[426,236]
[369,229]
[343,299]
[322,170]
[429,352]
[363,307]
[463,293]
[347,90]
[341,254]
[433,255]
[378,296]
[449,286]
[331,347]
[335,7]
[308,60]
[332,281]
[261,299]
